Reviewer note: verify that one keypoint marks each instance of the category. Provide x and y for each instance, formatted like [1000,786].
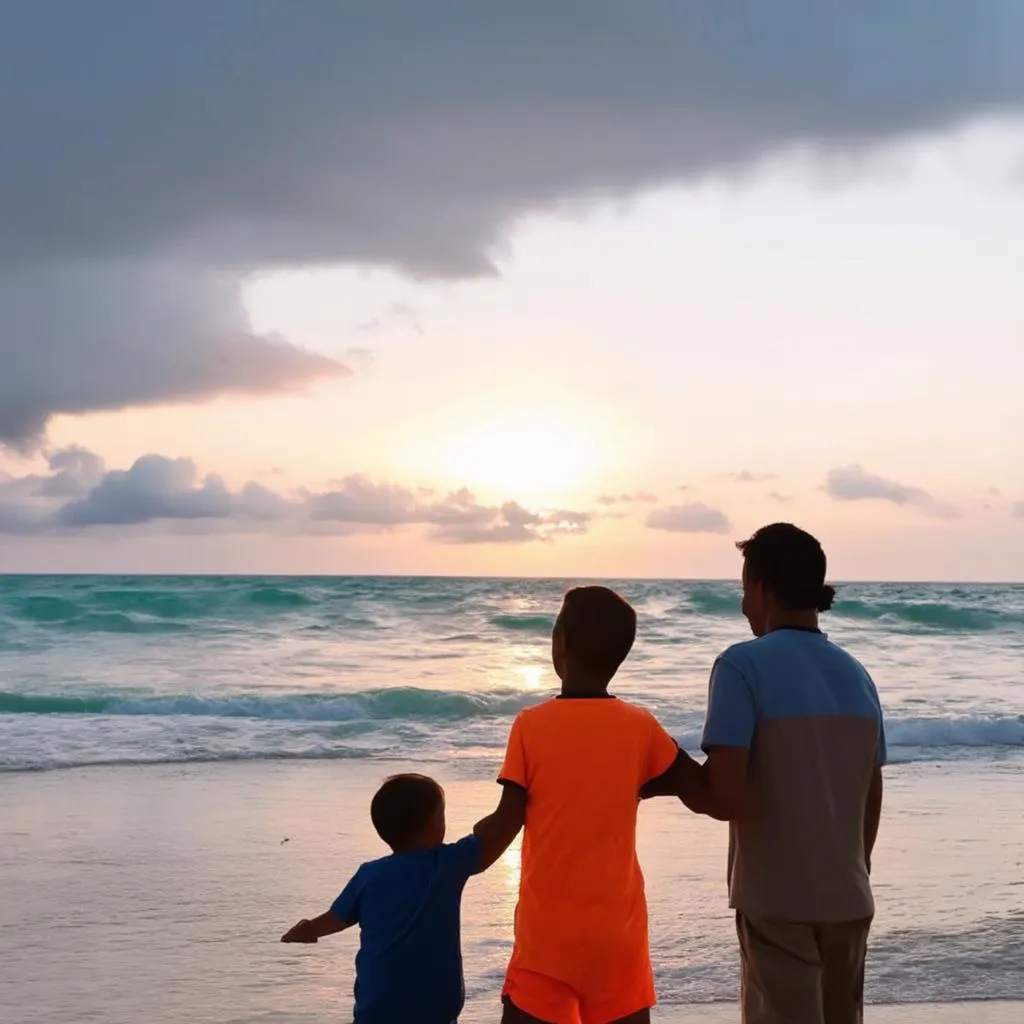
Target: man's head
[593,634]
[783,575]
[408,812]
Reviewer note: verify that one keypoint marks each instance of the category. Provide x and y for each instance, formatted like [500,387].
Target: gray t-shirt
[810,717]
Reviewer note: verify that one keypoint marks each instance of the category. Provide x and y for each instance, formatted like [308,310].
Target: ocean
[172,745]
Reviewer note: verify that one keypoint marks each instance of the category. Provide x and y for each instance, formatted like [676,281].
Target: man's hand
[302,932]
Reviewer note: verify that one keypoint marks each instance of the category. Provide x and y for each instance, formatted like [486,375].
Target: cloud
[747,477]
[156,488]
[153,155]
[81,337]
[637,497]
[1018,510]
[783,499]
[457,518]
[79,493]
[852,483]
[693,517]
[515,525]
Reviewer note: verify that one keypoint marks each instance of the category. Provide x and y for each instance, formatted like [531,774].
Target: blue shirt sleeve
[463,858]
[348,906]
[732,715]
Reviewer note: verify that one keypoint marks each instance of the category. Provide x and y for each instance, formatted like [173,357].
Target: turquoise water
[161,737]
[132,670]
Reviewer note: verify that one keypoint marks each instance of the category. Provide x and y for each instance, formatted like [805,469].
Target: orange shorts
[617,994]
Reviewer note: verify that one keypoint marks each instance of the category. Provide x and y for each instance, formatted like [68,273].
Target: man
[795,744]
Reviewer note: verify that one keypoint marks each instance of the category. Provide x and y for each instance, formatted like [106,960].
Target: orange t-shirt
[582,762]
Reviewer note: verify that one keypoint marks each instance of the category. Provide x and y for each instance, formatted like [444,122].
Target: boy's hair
[599,628]
[403,806]
[791,565]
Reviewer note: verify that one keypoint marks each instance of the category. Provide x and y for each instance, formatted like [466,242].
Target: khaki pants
[794,973]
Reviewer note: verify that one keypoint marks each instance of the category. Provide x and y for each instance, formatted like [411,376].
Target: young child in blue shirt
[407,905]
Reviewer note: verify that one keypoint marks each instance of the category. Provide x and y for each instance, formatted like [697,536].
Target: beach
[174,797]
[160,894]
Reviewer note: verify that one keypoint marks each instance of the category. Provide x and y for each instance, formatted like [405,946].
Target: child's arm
[311,931]
[685,779]
[500,827]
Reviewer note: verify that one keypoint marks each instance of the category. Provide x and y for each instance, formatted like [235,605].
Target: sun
[522,459]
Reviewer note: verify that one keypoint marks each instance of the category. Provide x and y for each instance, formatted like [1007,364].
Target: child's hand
[302,932]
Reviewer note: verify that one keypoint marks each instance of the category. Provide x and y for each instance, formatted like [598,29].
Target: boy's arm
[499,828]
[686,779]
[502,825]
[313,930]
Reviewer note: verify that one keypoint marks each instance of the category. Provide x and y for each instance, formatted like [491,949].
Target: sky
[564,290]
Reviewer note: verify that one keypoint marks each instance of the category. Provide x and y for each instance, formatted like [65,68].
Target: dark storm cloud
[852,483]
[79,493]
[246,134]
[80,337]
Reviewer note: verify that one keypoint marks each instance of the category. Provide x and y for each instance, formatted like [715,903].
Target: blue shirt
[407,906]
[809,715]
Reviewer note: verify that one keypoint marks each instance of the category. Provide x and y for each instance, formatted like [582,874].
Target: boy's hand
[302,932]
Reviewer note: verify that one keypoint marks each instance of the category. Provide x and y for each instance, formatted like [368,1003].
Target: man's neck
[793,620]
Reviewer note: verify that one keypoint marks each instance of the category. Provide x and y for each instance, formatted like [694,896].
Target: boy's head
[408,812]
[593,634]
[783,572]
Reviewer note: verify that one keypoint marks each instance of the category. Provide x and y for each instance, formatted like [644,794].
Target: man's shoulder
[744,653]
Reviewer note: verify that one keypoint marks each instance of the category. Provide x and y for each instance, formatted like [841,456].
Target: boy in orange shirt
[581,951]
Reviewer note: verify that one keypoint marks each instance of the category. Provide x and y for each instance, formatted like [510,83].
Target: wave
[418,705]
[278,597]
[935,614]
[994,731]
[179,604]
[524,623]
[392,704]
[941,616]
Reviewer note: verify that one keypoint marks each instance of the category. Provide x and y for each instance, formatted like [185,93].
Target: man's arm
[726,771]
[685,779]
[502,825]
[715,788]
[872,814]
[314,930]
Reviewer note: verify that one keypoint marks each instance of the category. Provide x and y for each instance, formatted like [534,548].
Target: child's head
[408,812]
[593,634]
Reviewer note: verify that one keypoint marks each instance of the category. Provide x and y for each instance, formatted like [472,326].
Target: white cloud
[852,483]
[693,517]
[635,498]
[79,494]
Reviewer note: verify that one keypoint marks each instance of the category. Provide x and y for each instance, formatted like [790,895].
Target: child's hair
[599,628]
[403,806]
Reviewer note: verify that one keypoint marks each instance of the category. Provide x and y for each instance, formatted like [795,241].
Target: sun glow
[523,459]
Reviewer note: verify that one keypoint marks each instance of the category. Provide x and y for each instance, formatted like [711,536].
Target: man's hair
[791,565]
[599,629]
[403,806]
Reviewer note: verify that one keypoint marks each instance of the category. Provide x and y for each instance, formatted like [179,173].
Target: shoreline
[969,1012]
